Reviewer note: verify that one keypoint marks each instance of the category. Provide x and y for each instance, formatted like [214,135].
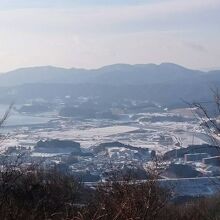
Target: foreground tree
[208,113]
[37,194]
[126,199]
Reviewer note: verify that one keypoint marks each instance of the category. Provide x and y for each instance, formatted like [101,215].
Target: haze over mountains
[166,83]
[117,74]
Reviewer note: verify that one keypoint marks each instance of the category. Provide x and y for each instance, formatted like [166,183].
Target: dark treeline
[39,194]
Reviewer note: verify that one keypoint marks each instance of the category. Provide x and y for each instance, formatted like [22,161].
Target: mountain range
[117,74]
[165,83]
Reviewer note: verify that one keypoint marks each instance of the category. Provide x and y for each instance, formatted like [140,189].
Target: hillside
[118,74]
[166,83]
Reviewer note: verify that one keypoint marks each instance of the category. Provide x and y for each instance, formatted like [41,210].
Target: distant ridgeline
[166,83]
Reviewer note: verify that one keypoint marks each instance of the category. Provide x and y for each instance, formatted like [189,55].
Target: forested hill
[165,83]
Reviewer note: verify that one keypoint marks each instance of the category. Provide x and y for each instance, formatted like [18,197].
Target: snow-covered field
[159,136]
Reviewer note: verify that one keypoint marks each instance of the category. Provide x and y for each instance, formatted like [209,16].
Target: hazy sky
[90,34]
